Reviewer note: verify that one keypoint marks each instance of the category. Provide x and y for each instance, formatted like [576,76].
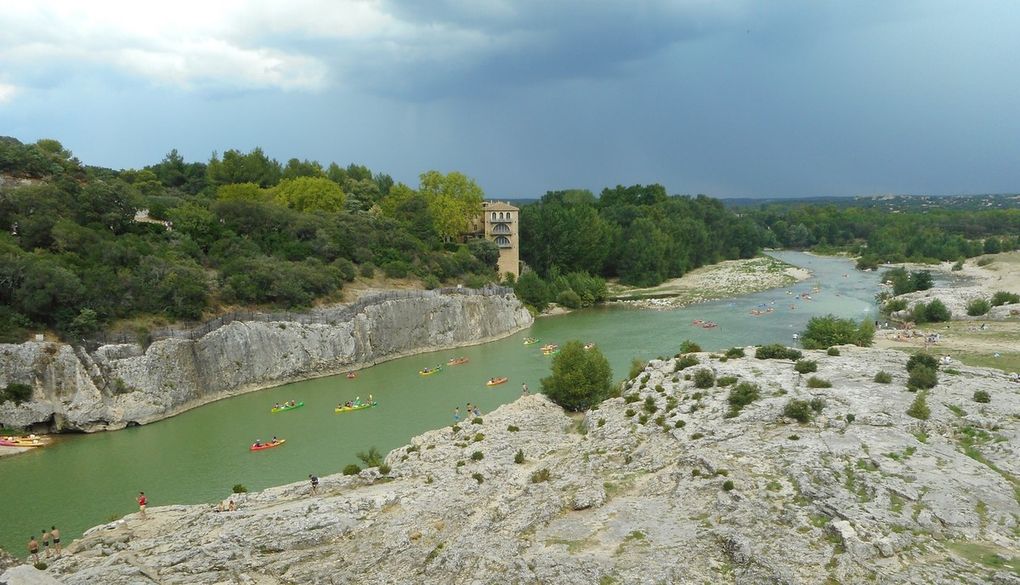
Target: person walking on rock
[524,388]
[33,548]
[46,542]
[315,483]
[142,503]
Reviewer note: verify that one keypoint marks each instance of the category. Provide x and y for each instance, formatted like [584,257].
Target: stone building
[500,224]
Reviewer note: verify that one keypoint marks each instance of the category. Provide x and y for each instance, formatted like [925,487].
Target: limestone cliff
[862,493]
[117,385]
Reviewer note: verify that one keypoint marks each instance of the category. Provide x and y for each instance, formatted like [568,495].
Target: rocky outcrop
[118,385]
[663,485]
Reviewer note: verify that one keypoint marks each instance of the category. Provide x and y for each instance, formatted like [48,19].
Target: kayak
[457,361]
[21,442]
[434,370]
[531,340]
[269,445]
[550,347]
[361,406]
[551,352]
[497,381]
[286,408]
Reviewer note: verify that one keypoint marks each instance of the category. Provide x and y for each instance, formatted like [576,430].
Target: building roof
[498,206]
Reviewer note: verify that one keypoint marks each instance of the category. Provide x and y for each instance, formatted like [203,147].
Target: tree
[823,332]
[236,167]
[580,378]
[240,192]
[454,201]
[310,194]
[486,251]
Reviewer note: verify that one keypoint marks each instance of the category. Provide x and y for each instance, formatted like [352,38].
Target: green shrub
[686,361]
[636,367]
[41,565]
[16,393]
[239,488]
[649,405]
[919,407]
[477,456]
[827,331]
[776,351]
[351,469]
[373,458]
[580,378]
[985,261]
[816,382]
[798,410]
[850,418]
[688,346]
[806,366]
[978,307]
[982,396]
[384,469]
[629,412]
[479,437]
[883,377]
[726,380]
[643,419]
[512,428]
[833,351]
[679,424]
[1005,298]
[478,477]
[569,299]
[477,420]
[817,405]
[922,359]
[894,305]
[696,436]
[367,270]
[519,456]
[741,395]
[958,265]
[922,377]
[735,352]
[727,485]
[631,398]
[601,423]
[704,378]
[431,282]
[540,476]
[936,312]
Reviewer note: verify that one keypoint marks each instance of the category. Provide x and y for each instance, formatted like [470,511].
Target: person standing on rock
[46,542]
[524,388]
[33,548]
[56,538]
[142,503]
[315,483]
[456,414]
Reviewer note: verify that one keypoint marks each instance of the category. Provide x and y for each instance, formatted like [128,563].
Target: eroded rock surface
[863,493]
[119,385]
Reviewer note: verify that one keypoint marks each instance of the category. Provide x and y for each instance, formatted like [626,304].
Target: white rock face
[884,498]
[120,384]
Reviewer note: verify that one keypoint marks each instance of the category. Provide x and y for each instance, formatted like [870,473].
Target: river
[84,480]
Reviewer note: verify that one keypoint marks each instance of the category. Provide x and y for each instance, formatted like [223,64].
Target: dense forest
[242,229]
[878,236]
[638,233]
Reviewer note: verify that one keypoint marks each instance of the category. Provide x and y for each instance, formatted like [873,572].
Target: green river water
[84,480]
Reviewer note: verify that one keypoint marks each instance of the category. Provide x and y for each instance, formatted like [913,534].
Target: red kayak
[268,445]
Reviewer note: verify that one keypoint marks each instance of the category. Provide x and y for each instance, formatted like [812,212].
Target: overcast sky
[728,98]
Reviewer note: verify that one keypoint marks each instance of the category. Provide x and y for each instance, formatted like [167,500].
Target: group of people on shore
[47,536]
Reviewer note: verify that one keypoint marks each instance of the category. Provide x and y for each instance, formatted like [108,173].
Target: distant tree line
[245,230]
[879,236]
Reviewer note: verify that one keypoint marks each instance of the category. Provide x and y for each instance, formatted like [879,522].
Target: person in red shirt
[142,502]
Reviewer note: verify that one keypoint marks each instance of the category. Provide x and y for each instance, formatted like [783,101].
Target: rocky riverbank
[659,486]
[119,385]
[719,281]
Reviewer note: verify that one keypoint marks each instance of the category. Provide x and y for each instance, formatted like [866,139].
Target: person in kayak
[258,443]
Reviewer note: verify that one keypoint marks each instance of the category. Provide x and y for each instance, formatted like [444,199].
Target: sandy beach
[718,281]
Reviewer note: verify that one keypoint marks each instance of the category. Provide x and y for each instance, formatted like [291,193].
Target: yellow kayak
[362,406]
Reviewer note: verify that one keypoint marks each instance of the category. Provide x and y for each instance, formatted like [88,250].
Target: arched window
[493,216]
[501,228]
[503,241]
[501,215]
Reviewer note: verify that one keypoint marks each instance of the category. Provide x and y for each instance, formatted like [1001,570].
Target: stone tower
[501,224]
